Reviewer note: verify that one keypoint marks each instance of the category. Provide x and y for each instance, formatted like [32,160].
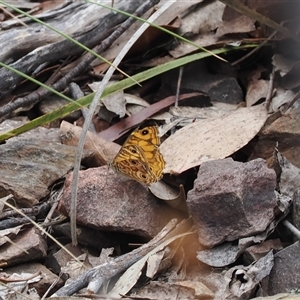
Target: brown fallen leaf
[116,131]
[211,139]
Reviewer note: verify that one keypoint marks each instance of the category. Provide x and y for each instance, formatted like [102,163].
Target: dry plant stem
[52,286]
[42,230]
[60,85]
[90,37]
[13,16]
[10,196]
[21,293]
[182,229]
[52,209]
[16,221]
[16,292]
[270,90]
[254,50]
[93,106]
[291,103]
[33,211]
[3,279]
[77,93]
[178,86]
[121,263]
[56,75]
[100,76]
[292,228]
[258,47]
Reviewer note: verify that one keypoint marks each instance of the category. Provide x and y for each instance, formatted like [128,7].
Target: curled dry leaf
[174,198]
[114,103]
[240,282]
[16,286]
[7,234]
[134,104]
[211,139]
[153,263]
[256,90]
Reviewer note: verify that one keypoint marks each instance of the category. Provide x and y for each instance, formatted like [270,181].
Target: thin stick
[270,89]
[52,286]
[292,228]
[255,49]
[178,86]
[52,209]
[13,16]
[297,96]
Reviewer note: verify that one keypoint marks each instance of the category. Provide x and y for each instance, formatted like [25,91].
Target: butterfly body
[139,157]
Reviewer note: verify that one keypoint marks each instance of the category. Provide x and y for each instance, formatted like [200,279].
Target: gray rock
[28,245]
[231,200]
[285,275]
[110,202]
[29,166]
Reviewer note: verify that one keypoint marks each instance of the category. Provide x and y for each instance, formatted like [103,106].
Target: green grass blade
[126,83]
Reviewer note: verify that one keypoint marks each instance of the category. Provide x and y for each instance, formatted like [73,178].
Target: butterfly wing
[148,140]
[131,162]
[139,157]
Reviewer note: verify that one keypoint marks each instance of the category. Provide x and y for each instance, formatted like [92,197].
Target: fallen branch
[100,274]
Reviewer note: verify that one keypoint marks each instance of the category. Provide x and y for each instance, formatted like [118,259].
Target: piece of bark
[60,48]
[286,132]
[107,270]
[13,222]
[38,210]
[103,150]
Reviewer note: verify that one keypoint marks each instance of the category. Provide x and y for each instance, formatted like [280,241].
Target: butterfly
[139,158]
